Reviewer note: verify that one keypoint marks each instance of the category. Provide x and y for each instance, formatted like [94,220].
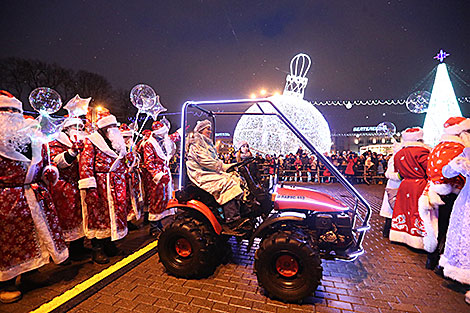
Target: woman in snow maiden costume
[456,257]
[410,163]
[103,187]
[29,228]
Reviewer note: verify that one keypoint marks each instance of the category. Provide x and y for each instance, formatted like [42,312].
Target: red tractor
[297,226]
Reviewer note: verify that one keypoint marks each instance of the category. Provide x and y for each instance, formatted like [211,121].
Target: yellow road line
[75,291]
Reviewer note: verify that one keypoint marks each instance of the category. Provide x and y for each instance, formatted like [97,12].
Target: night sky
[203,50]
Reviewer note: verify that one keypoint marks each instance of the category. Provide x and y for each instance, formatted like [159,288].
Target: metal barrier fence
[316,175]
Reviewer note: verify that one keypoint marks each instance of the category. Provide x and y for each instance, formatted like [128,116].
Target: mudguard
[200,207]
[275,219]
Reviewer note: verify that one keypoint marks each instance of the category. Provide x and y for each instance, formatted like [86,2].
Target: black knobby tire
[186,248]
[302,275]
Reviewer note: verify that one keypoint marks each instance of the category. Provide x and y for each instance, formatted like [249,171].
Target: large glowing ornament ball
[143,97]
[268,135]
[386,129]
[45,99]
[418,101]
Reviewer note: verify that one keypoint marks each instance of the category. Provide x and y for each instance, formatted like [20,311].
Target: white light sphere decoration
[268,135]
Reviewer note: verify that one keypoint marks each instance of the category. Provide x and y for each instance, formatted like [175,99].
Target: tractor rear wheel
[186,248]
[288,265]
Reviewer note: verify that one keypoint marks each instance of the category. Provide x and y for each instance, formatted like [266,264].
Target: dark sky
[221,49]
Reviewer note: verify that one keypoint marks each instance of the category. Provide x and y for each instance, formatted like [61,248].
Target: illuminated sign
[222,134]
[364,129]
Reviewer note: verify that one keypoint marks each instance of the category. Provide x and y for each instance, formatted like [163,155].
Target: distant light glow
[263,92]
[253,96]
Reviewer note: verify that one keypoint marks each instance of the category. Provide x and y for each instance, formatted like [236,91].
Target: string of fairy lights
[349,104]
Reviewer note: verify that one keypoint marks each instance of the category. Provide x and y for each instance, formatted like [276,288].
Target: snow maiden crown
[7,100]
[455,125]
[412,134]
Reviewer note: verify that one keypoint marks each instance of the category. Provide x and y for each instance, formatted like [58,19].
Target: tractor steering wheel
[240,164]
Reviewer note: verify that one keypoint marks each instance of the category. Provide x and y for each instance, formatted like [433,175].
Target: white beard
[117,141]
[465,138]
[15,131]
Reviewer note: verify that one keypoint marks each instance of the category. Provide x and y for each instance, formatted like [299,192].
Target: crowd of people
[91,182]
[94,180]
[368,168]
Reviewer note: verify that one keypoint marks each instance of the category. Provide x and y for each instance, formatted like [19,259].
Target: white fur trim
[430,221]
[61,161]
[451,138]
[64,139]
[42,229]
[159,216]
[86,183]
[157,177]
[457,128]
[161,131]
[74,121]
[412,241]
[386,210]
[106,121]
[461,275]
[127,133]
[441,189]
[10,102]
[55,170]
[200,125]
[412,136]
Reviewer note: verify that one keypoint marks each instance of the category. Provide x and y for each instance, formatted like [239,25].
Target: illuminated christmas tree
[443,103]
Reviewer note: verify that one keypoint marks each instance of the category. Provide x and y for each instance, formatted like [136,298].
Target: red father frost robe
[65,192]
[156,165]
[30,231]
[103,189]
[411,163]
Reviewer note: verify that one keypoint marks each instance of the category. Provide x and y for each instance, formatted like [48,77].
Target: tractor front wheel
[288,266]
[186,248]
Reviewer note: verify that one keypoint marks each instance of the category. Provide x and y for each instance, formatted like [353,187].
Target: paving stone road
[387,278]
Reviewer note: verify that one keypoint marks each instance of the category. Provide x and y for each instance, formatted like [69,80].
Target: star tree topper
[441,55]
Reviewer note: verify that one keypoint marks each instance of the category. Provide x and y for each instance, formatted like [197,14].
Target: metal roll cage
[360,231]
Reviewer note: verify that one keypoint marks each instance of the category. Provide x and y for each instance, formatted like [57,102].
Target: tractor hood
[292,197]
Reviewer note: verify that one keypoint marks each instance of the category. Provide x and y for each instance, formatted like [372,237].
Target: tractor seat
[192,192]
